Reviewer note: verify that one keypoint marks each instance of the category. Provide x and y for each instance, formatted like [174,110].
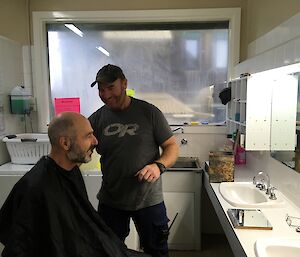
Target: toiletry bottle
[240,155]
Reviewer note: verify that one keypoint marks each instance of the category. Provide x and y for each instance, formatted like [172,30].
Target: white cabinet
[6,184]
[182,195]
[263,109]
[92,182]
[249,111]
[284,113]
[181,192]
[258,113]
[182,233]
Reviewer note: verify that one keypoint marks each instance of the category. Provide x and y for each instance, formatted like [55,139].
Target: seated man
[48,213]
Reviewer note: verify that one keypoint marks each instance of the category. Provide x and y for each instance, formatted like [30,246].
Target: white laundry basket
[27,148]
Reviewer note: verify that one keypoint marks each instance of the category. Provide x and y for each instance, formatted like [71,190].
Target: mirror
[290,158]
[248,219]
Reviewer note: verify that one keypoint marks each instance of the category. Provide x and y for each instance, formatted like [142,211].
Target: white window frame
[41,87]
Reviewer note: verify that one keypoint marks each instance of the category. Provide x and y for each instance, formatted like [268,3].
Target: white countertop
[14,169]
[276,216]
[10,169]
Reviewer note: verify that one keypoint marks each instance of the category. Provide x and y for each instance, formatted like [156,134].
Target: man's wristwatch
[161,167]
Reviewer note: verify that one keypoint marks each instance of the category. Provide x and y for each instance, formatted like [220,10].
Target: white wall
[279,47]
[200,140]
[11,75]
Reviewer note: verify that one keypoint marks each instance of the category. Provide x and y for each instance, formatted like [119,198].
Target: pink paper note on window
[71,104]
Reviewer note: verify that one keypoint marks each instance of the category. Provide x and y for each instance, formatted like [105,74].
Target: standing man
[47,213]
[131,132]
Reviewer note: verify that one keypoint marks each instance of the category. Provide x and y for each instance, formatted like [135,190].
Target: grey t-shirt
[128,141]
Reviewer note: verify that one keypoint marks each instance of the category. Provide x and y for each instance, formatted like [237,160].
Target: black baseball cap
[225,95]
[108,74]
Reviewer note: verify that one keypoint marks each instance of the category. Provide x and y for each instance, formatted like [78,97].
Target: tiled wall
[279,47]
[27,68]
[11,75]
[200,140]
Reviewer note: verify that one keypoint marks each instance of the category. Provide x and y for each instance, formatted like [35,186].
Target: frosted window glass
[180,68]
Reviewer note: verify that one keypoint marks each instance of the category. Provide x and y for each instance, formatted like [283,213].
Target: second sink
[246,195]
[277,247]
[186,164]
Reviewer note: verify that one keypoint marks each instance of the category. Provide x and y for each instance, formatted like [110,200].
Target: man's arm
[170,150]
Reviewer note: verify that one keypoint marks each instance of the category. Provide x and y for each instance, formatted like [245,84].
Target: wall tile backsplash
[279,47]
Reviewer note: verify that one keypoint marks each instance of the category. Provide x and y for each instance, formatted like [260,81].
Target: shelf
[236,111]
[239,101]
[237,122]
[238,79]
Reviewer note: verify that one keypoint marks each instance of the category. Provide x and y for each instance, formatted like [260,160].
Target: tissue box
[221,166]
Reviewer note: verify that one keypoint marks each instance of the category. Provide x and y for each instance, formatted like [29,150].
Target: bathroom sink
[277,247]
[186,164]
[246,195]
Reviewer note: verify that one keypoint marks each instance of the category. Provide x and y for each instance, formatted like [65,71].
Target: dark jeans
[151,224]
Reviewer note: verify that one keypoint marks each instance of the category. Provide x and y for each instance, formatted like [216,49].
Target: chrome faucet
[184,141]
[262,181]
[179,128]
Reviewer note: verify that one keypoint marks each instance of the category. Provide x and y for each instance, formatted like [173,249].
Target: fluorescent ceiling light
[76,30]
[138,35]
[101,49]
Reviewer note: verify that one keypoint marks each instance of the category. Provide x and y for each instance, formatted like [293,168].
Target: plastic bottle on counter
[240,155]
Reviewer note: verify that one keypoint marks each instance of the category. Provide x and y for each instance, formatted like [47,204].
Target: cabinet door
[93,184]
[6,185]
[182,233]
[266,110]
[258,111]
[284,113]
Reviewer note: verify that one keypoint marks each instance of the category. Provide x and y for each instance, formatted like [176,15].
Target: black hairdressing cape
[48,214]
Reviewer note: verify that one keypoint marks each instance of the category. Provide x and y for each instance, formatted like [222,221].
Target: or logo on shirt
[121,129]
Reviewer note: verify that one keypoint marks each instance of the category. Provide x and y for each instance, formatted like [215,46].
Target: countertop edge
[234,242]
[242,240]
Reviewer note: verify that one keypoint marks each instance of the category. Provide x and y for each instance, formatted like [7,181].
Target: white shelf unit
[236,112]
[263,108]
[249,111]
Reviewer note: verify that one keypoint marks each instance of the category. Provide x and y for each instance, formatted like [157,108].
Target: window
[41,81]
[179,67]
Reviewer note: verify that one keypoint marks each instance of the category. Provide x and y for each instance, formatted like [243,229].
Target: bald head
[64,125]
[72,139]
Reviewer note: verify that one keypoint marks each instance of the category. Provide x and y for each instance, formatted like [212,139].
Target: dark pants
[151,224]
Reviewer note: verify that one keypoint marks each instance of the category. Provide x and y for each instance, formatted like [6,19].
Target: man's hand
[149,173]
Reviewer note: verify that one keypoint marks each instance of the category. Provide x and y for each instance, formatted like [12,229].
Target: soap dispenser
[19,100]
